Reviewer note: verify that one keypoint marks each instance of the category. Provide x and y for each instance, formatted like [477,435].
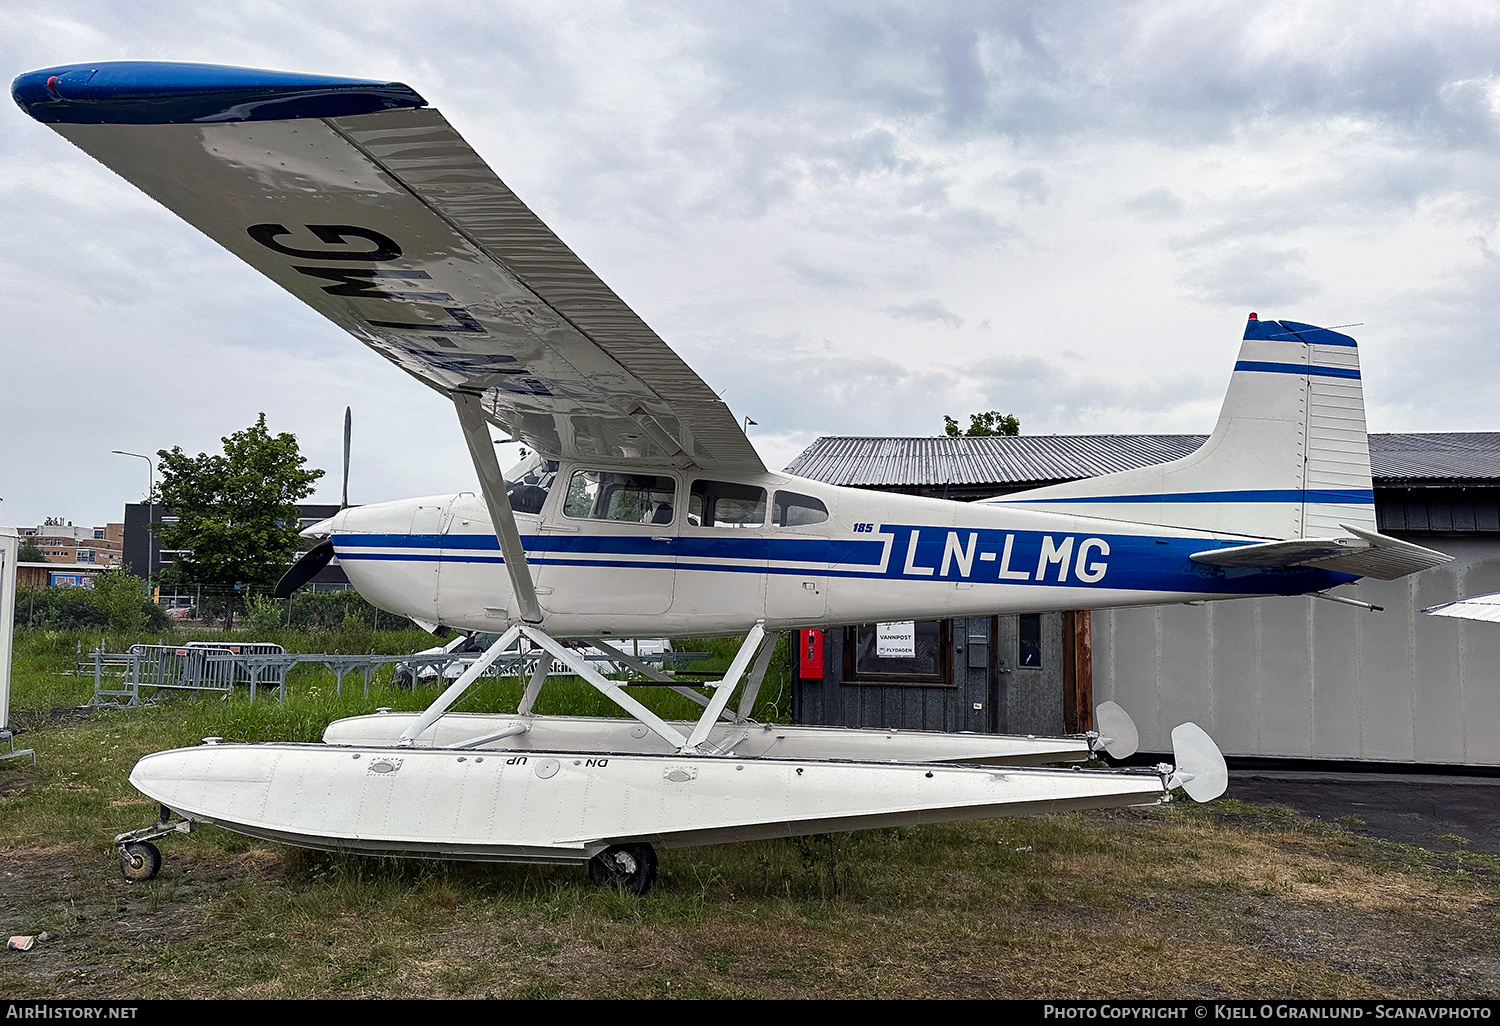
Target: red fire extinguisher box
[810,655]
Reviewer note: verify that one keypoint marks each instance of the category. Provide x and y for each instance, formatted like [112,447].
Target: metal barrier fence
[195,666]
[147,672]
[121,678]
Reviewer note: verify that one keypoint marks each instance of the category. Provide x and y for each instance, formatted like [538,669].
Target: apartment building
[62,542]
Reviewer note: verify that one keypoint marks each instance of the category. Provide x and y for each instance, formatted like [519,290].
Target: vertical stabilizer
[1289,457]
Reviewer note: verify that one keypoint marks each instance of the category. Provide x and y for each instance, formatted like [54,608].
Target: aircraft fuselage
[874,556]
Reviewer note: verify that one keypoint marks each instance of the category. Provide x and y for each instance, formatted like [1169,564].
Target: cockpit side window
[625,498]
[528,482]
[792,509]
[724,504]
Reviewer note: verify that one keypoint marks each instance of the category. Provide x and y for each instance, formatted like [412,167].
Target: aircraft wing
[366,204]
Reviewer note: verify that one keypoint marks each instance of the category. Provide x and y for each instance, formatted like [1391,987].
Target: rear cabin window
[794,510]
[724,504]
[625,498]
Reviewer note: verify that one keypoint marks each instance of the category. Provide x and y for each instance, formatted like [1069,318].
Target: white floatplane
[645,511]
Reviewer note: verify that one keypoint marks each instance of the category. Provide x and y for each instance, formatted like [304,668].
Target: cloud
[1030,185]
[1155,204]
[821,276]
[1048,399]
[795,387]
[926,310]
[1252,276]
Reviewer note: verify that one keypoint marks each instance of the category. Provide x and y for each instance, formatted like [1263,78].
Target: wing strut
[492,483]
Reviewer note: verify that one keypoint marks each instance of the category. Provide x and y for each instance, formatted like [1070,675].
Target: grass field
[1221,900]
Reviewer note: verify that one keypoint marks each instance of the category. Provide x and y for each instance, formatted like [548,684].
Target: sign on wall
[896,640]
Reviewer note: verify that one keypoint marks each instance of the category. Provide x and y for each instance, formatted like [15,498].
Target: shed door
[1028,690]
[973,662]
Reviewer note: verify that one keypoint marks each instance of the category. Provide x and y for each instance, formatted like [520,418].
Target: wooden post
[1083,666]
[1070,676]
[1078,671]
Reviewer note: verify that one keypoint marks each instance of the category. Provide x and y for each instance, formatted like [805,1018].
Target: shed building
[1296,678]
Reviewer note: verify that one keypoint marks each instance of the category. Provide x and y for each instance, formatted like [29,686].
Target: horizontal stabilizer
[1366,554]
[1480,607]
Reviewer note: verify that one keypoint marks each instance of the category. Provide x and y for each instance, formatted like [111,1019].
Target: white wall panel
[1133,634]
[1187,689]
[1304,678]
[1334,683]
[1285,672]
[1236,627]
[1437,692]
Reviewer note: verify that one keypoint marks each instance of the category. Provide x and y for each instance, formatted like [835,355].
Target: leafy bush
[333,609]
[323,610]
[263,614]
[119,606]
[119,594]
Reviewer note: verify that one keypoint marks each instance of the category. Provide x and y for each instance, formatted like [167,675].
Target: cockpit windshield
[528,482]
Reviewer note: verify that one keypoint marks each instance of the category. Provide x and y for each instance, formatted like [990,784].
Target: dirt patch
[96,919]
[68,715]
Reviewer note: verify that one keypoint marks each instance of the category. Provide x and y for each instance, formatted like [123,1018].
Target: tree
[989,423]
[30,552]
[236,517]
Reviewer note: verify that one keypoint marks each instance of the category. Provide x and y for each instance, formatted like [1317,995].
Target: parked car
[180,610]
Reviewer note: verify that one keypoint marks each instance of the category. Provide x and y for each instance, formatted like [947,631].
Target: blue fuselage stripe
[790,550]
[900,552]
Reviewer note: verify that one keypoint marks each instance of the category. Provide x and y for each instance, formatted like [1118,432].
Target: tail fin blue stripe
[1296,368]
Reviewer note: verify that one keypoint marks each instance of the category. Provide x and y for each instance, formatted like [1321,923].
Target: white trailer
[10,546]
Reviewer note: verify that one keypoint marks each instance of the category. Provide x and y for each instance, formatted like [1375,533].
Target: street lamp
[150,507]
[745,428]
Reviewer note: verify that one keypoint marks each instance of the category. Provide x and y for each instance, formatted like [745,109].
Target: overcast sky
[853,218]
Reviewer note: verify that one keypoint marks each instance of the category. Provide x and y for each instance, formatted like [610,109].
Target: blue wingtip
[159,93]
[1293,331]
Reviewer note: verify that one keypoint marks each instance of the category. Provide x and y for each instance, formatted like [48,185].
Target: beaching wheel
[625,867]
[140,861]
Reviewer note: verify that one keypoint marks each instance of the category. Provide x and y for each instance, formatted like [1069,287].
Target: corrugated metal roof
[1468,456]
[1044,459]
